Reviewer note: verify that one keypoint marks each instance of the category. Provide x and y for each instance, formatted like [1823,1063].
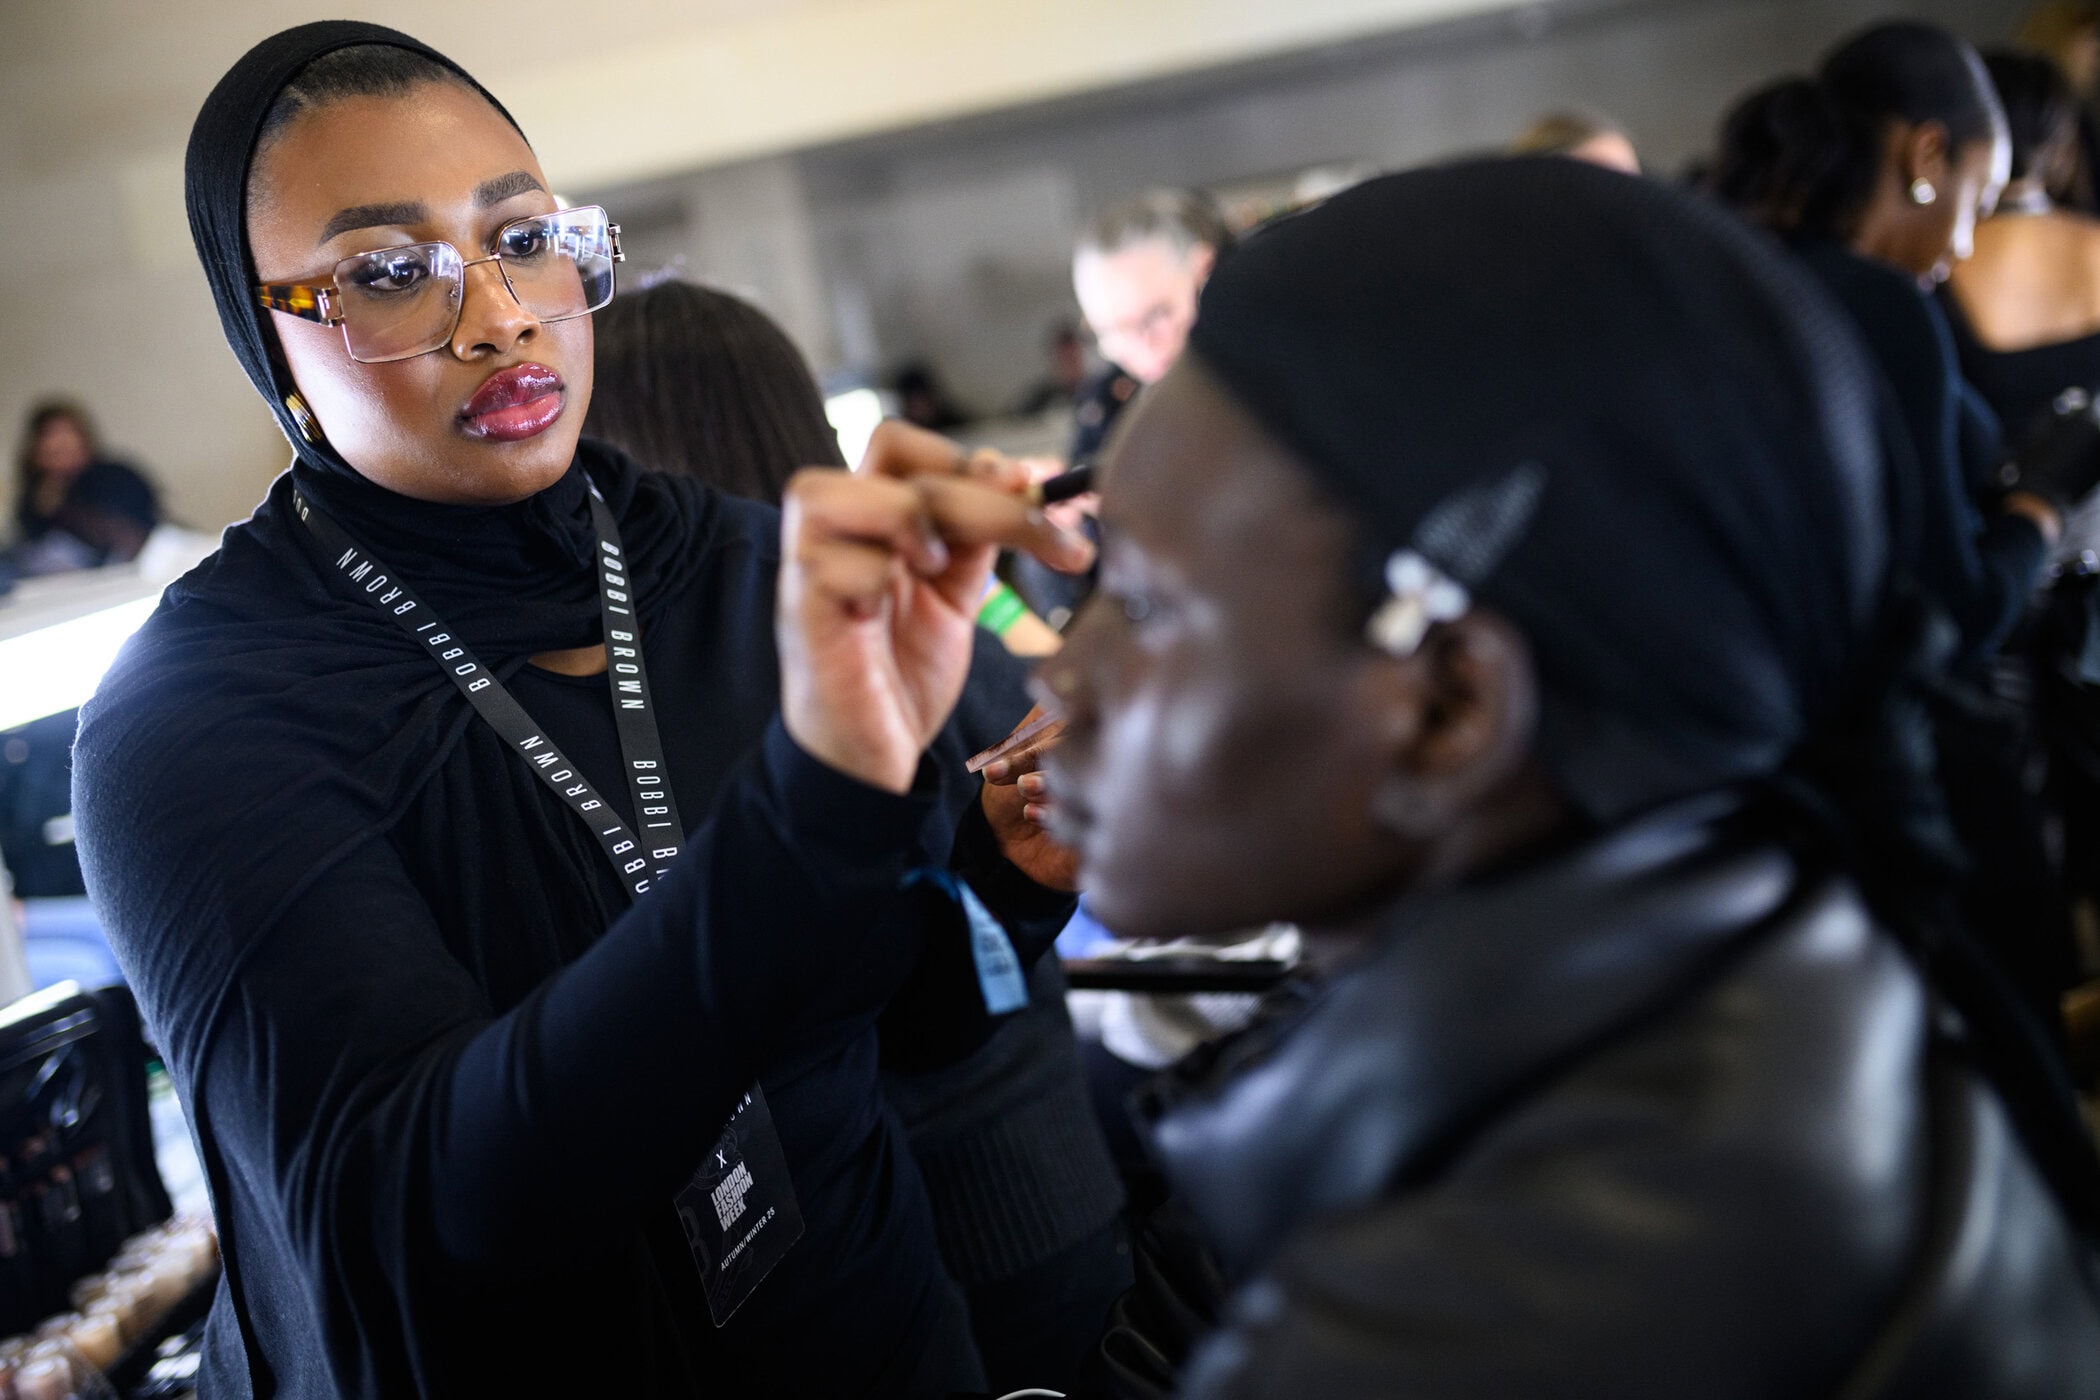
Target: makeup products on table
[53,1369]
[116,1310]
[78,1173]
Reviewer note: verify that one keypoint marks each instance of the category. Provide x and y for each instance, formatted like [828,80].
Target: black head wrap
[215,189]
[263,722]
[1627,422]
[1702,545]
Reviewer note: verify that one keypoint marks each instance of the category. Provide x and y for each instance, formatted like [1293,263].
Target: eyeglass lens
[400,302]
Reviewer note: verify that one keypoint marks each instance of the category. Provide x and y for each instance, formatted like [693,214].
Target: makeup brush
[1039,727]
[1076,482]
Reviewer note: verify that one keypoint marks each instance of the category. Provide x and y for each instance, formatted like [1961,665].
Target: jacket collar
[1466,999]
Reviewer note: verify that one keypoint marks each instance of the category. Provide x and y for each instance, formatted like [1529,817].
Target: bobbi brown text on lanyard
[736,1255]
[638,860]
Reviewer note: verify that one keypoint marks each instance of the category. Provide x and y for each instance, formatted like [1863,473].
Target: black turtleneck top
[444,1109]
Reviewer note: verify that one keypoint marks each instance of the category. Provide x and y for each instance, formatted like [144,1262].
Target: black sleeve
[939,1016]
[1982,570]
[358,1083]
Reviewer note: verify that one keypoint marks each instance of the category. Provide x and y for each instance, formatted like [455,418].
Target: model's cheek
[1174,834]
[1136,823]
[1178,748]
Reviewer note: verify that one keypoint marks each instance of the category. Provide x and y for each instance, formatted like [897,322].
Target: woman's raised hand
[881,574]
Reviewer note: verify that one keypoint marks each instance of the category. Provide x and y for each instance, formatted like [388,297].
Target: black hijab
[272,718]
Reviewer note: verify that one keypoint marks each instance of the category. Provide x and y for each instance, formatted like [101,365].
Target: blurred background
[898,182]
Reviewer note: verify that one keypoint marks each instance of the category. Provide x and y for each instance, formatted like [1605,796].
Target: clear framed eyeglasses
[396,303]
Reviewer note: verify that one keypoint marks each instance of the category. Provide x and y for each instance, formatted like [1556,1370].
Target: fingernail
[1033,784]
[998,768]
[1036,812]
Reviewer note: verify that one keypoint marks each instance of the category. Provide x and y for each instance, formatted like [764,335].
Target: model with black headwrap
[446,1082]
[1513,605]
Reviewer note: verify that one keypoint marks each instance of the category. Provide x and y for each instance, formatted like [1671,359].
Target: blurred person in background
[694,381]
[1579,136]
[1877,171]
[2025,310]
[697,382]
[1585,744]
[74,507]
[1138,269]
[2068,33]
[2025,306]
[1067,376]
[923,401]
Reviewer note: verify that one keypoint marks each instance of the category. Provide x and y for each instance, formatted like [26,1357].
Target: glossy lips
[514,404]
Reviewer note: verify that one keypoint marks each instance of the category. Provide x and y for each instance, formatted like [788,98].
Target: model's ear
[1926,154]
[1461,713]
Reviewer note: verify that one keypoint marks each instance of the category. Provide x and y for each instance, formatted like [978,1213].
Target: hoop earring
[303,417]
[1922,192]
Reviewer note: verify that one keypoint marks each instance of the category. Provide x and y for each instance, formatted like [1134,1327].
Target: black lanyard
[637,860]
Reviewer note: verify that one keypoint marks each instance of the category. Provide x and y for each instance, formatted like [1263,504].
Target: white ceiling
[626,89]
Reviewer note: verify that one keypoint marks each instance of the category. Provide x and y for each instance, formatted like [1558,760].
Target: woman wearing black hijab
[1526,630]
[365,833]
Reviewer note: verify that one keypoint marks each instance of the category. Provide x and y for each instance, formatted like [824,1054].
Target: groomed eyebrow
[504,186]
[403,213]
[397,215]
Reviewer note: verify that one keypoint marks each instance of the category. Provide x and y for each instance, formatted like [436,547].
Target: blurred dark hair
[2040,111]
[1802,156]
[696,382]
[41,416]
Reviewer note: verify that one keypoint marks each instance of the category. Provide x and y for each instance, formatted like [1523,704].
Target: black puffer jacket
[1664,1115]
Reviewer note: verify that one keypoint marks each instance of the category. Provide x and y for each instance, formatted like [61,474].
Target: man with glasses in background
[1137,270]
